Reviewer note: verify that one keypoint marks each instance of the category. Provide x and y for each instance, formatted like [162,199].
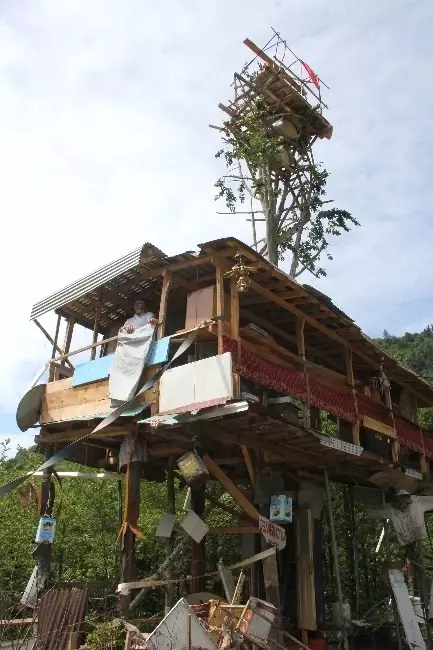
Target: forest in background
[86,547]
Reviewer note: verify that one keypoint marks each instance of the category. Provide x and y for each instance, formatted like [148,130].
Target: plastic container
[192,468]
[281,508]
[45,531]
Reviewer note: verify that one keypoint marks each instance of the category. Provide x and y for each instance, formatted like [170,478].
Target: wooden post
[351,381]
[127,558]
[234,327]
[249,464]
[171,509]
[166,284]
[198,567]
[96,326]
[53,354]
[220,305]
[335,560]
[300,340]
[68,337]
[160,333]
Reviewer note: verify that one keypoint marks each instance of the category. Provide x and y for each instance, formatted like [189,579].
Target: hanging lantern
[241,273]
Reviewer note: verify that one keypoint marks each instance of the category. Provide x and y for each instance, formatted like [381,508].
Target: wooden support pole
[248,463]
[300,343]
[231,488]
[171,509]
[51,340]
[351,381]
[300,337]
[68,337]
[220,305]
[160,332]
[234,328]
[335,560]
[127,558]
[95,326]
[183,544]
[166,284]
[198,567]
[53,354]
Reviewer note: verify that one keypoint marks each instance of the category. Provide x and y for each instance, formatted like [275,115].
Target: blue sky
[104,113]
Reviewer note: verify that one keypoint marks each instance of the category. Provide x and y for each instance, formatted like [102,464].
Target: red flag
[313,76]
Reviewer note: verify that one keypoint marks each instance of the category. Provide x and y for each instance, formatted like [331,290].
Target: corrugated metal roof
[92,281]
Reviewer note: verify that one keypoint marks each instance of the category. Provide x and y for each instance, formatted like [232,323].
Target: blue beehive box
[281,508]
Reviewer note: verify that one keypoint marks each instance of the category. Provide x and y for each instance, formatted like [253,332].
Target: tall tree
[266,163]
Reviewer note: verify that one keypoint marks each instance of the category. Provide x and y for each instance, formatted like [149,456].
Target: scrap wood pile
[214,625]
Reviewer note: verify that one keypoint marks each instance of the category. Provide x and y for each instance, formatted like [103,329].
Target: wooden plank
[234,328]
[270,578]
[58,386]
[51,340]
[248,463]
[234,530]
[220,305]
[82,401]
[231,488]
[380,427]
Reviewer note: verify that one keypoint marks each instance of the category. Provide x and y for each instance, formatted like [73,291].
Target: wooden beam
[231,488]
[272,297]
[226,508]
[267,59]
[44,331]
[220,305]
[179,266]
[248,463]
[117,300]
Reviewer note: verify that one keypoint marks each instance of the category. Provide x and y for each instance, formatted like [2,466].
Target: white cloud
[104,113]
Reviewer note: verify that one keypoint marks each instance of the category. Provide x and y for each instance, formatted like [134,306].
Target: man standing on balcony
[141,318]
[134,345]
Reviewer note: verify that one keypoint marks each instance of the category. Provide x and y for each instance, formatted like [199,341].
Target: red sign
[273,534]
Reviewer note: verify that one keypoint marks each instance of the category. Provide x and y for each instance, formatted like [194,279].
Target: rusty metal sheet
[60,612]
